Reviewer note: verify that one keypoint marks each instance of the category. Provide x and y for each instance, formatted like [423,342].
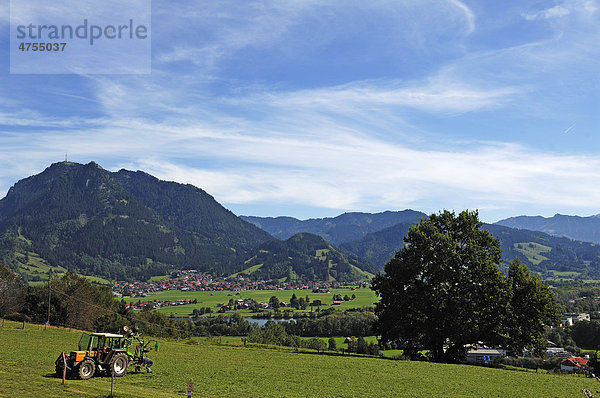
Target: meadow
[232,369]
[364,298]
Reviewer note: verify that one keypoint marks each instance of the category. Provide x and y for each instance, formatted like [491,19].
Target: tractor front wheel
[118,364]
[86,369]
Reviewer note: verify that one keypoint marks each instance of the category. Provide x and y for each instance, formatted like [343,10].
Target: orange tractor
[104,353]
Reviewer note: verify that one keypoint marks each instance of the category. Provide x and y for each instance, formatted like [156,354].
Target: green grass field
[93,279]
[364,298]
[533,251]
[27,367]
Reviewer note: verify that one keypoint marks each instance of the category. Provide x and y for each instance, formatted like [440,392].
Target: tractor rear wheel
[118,364]
[86,369]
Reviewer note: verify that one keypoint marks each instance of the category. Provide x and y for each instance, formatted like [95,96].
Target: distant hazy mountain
[541,252]
[306,257]
[343,228]
[379,247]
[586,229]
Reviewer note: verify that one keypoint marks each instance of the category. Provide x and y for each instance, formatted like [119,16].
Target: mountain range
[131,225]
[586,229]
[544,253]
[336,230]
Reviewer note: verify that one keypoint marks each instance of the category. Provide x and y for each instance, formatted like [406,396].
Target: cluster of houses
[570,365]
[156,304]
[570,318]
[193,280]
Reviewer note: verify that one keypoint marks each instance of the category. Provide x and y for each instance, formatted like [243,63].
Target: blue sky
[312,108]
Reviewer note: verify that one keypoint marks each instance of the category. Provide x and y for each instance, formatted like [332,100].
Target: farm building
[574,365]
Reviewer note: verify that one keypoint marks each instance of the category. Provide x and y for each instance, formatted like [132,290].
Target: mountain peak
[90,220]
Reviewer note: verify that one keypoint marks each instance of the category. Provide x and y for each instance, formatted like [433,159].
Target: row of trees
[443,291]
[277,333]
[336,324]
[74,302]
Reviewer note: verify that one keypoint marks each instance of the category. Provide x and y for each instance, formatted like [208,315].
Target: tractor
[104,353]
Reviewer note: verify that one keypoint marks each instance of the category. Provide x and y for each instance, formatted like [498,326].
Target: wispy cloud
[435,95]
[580,7]
[330,168]
[553,12]
[468,14]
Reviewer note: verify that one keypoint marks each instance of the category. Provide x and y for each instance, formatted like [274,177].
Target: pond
[258,321]
[262,321]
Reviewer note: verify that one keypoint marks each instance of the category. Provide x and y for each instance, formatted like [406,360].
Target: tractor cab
[99,345]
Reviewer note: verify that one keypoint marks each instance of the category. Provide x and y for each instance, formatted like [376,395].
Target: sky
[314,108]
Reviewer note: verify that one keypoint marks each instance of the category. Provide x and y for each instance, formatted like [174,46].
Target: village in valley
[193,280]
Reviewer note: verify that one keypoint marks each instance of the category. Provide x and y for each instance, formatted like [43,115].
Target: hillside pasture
[533,251]
[219,370]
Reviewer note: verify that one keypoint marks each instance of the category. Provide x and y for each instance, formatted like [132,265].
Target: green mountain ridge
[92,221]
[306,256]
[346,227]
[541,252]
[544,253]
[131,225]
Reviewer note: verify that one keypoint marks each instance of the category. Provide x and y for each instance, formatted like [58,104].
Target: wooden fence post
[64,368]
[112,381]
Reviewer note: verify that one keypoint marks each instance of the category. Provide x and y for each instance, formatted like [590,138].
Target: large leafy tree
[443,290]
[532,305]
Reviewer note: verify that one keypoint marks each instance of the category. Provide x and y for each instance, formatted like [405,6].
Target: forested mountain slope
[119,225]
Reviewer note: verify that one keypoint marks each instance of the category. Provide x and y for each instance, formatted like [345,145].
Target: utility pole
[49,291]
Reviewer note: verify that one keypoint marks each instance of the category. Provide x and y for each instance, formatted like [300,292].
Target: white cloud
[554,12]
[589,6]
[583,8]
[435,95]
[329,168]
[348,173]
[469,16]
